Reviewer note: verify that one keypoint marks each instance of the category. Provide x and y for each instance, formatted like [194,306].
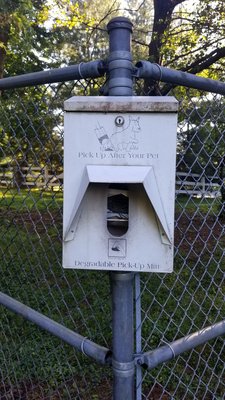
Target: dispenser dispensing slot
[117,210]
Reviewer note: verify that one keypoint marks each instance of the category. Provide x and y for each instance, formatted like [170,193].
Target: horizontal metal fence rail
[171,350]
[93,69]
[96,69]
[81,343]
[148,70]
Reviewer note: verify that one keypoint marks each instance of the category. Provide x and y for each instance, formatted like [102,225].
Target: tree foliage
[187,35]
[18,36]
[182,34]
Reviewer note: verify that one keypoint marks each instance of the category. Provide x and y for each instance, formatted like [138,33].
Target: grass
[197,204]
[32,273]
[24,200]
[174,305]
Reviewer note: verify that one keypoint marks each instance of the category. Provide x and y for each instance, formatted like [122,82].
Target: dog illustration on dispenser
[124,137]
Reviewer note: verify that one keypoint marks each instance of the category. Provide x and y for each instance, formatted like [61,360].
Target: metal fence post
[120,60]
[121,84]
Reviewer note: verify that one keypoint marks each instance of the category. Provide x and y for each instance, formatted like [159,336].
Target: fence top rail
[148,70]
[91,69]
[98,68]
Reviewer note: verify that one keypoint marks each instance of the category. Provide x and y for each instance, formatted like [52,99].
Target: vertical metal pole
[120,60]
[121,84]
[138,334]
[123,336]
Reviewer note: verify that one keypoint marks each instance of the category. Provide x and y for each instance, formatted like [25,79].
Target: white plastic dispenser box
[119,183]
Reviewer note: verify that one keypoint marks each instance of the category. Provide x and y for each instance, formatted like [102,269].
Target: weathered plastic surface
[131,150]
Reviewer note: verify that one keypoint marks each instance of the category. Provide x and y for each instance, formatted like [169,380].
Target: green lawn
[208,206]
[24,199]
[31,271]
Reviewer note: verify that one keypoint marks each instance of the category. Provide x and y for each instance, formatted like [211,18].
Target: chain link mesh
[34,364]
[192,297]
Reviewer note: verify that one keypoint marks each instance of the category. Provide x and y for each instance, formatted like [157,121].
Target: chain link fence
[36,365]
[192,297]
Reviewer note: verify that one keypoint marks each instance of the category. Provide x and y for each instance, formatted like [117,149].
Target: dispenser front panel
[119,187]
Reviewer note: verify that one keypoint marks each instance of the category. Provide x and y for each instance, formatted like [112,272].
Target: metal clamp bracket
[123,369]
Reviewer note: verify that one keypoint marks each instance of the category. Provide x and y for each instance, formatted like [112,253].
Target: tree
[33,33]
[38,34]
[169,32]
[141,14]
[83,29]
[188,38]
[192,40]
[7,8]
[31,44]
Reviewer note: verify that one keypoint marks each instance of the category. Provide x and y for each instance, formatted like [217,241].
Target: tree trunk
[163,10]
[4,37]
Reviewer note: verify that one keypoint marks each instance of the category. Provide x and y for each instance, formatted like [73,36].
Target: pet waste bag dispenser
[119,183]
